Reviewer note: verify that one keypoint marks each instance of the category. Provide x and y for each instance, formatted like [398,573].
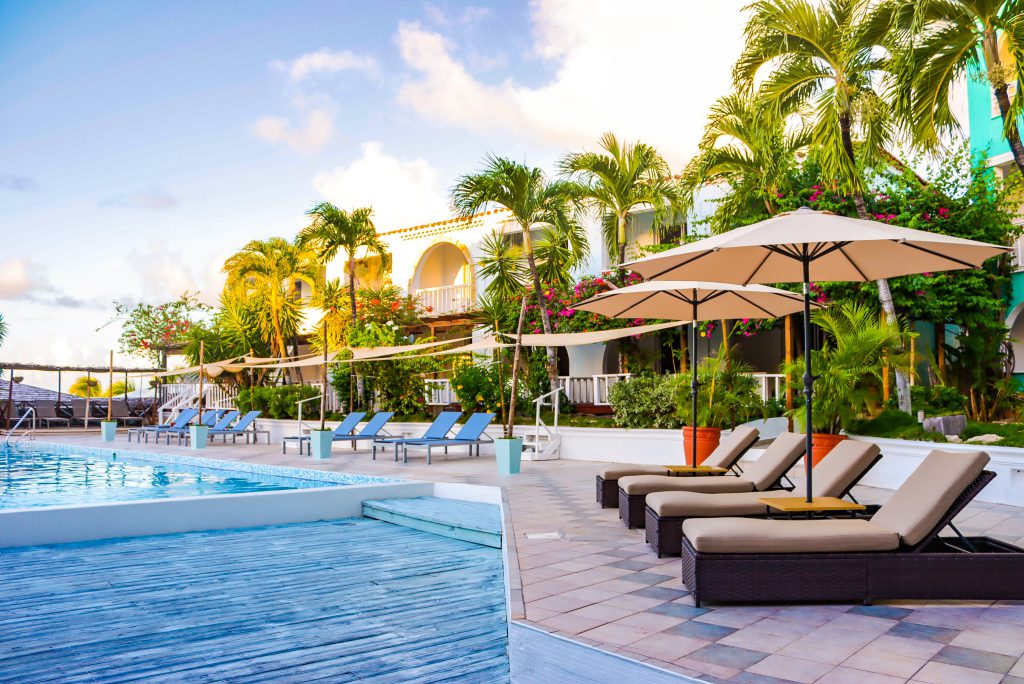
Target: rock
[946,425]
[955,439]
[985,439]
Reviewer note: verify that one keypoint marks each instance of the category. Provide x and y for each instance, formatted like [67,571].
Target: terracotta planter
[707,441]
[821,444]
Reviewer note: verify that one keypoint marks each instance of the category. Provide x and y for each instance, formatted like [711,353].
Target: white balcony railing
[1018,254]
[439,392]
[447,300]
[591,389]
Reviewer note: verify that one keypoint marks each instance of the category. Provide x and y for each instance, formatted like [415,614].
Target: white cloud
[309,137]
[443,15]
[165,274]
[402,192]
[21,279]
[645,70]
[325,61]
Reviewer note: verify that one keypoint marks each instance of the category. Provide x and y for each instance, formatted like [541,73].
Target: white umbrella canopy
[693,301]
[835,248]
[805,246]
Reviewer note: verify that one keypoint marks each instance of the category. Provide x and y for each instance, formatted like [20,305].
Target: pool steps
[479,523]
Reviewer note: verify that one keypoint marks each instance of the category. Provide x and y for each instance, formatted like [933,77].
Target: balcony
[446,300]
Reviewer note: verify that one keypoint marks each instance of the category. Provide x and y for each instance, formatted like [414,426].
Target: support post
[789,360]
[693,381]
[808,376]
[110,388]
[10,398]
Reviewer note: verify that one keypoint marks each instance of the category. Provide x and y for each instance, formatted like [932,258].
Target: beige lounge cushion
[709,505]
[646,484]
[781,455]
[841,468]
[614,472]
[918,505]
[752,535]
[732,447]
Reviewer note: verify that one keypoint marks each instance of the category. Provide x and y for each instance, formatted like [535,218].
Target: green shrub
[938,400]
[279,402]
[894,424]
[645,401]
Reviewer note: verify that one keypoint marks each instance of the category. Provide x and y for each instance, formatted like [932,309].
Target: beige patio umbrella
[693,301]
[804,246]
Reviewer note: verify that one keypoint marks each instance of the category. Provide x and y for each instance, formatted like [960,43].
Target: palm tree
[830,56]
[334,230]
[501,263]
[119,388]
[532,200]
[622,178]
[269,272]
[86,387]
[747,146]
[944,40]
[330,299]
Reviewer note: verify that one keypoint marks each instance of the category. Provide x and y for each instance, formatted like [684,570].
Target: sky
[141,143]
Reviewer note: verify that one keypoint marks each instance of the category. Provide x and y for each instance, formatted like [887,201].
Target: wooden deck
[341,601]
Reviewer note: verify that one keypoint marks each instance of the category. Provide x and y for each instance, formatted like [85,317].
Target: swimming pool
[41,475]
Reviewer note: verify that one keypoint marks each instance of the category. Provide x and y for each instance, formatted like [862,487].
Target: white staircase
[544,443]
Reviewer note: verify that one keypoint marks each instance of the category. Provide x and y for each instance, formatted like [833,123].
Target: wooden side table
[696,470]
[795,505]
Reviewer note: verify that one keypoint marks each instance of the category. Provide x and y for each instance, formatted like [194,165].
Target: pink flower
[943,212]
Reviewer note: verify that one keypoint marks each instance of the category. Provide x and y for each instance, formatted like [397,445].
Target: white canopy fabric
[677,299]
[838,248]
[577,339]
[361,353]
[317,360]
[486,344]
[220,365]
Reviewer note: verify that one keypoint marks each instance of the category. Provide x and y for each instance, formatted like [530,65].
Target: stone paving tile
[943,673]
[975,659]
[597,573]
[729,656]
[786,667]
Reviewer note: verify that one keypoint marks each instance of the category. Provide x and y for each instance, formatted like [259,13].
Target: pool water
[37,477]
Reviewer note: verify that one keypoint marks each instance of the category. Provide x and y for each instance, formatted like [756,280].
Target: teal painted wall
[986,131]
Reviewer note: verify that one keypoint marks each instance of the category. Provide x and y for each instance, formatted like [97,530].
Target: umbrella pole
[808,376]
[693,382]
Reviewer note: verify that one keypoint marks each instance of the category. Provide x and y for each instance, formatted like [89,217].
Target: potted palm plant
[727,395]
[859,347]
[508,449]
[322,440]
[199,431]
[108,427]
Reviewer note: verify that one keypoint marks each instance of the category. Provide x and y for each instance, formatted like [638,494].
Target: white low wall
[90,522]
[900,457]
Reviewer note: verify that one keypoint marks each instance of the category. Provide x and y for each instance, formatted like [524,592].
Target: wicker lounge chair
[835,476]
[119,412]
[728,452]
[767,472]
[344,429]
[896,554]
[471,434]
[46,413]
[439,429]
[182,421]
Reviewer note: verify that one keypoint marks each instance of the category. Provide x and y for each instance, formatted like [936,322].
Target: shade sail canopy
[361,353]
[676,299]
[838,248]
[577,339]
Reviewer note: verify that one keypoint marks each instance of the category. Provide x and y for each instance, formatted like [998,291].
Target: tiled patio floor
[587,577]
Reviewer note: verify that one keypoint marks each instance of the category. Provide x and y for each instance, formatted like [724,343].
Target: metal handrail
[556,408]
[31,411]
[299,403]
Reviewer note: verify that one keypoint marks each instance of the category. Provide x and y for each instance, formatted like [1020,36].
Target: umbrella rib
[853,263]
[756,305]
[767,255]
[634,305]
[675,266]
[966,264]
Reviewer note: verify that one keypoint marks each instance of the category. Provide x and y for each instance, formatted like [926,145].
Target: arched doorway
[443,280]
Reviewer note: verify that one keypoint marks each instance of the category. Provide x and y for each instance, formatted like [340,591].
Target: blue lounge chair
[471,434]
[241,429]
[370,431]
[183,419]
[344,428]
[439,429]
[225,420]
[209,419]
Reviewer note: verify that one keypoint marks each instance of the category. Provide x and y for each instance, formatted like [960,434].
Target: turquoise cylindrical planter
[198,435]
[509,453]
[321,442]
[108,428]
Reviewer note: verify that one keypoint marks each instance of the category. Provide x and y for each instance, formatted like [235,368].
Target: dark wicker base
[607,492]
[664,535]
[631,508]
[935,572]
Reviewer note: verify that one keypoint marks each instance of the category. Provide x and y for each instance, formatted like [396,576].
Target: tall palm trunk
[620,237]
[991,48]
[352,303]
[545,319]
[884,294]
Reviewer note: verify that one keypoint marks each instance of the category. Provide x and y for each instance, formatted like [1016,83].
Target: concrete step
[479,523]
